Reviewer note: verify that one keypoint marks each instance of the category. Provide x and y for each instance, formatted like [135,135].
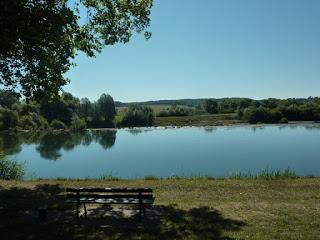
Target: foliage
[62,108]
[283,120]
[8,119]
[138,116]
[40,38]
[283,113]
[211,106]
[7,98]
[106,107]
[32,121]
[66,108]
[56,124]
[85,108]
[31,107]
[10,170]
[175,111]
[26,123]
[78,124]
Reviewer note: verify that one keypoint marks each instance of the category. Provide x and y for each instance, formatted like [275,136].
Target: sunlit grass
[268,209]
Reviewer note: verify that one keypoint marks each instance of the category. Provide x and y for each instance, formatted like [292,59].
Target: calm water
[219,151]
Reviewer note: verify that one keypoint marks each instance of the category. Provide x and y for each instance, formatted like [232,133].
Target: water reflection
[210,129]
[50,144]
[137,131]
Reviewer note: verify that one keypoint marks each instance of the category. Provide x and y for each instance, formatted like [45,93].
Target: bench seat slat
[111,190]
[133,196]
[113,200]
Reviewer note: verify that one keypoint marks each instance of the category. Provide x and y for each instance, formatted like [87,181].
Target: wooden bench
[133,196]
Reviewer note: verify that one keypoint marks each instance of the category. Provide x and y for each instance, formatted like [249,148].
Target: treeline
[267,110]
[67,112]
[176,111]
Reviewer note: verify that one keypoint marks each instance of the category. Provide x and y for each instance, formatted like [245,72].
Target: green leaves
[39,38]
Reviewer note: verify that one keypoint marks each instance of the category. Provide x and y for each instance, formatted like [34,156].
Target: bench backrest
[133,193]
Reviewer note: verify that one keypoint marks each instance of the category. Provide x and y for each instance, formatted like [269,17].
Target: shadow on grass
[19,219]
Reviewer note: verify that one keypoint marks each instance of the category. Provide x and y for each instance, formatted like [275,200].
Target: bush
[41,122]
[283,120]
[211,106]
[26,123]
[8,119]
[33,121]
[138,116]
[175,111]
[261,114]
[10,170]
[30,108]
[56,124]
[77,124]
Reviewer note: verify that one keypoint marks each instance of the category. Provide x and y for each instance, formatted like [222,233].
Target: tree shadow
[19,219]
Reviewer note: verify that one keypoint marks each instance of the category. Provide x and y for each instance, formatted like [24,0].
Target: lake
[164,152]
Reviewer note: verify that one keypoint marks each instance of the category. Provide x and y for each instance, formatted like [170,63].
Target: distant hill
[187,102]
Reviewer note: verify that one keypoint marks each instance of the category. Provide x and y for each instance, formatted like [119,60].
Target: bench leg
[85,209]
[140,212]
[77,210]
[144,210]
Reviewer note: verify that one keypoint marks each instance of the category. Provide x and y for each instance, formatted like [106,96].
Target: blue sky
[211,48]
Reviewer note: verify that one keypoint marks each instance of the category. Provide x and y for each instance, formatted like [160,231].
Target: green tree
[8,98]
[211,106]
[39,38]
[106,106]
[138,116]
[8,119]
[85,108]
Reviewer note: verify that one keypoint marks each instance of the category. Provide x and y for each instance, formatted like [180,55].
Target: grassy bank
[198,120]
[184,209]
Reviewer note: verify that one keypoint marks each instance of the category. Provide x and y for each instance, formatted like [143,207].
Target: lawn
[184,209]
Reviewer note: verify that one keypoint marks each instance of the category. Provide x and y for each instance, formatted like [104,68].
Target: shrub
[41,122]
[77,124]
[175,111]
[211,106]
[261,114]
[56,124]
[138,116]
[8,119]
[30,108]
[10,170]
[163,113]
[26,123]
[33,121]
[283,120]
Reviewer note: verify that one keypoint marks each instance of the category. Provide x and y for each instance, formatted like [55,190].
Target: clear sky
[211,48]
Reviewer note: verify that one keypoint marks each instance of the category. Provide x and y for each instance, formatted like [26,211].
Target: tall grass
[11,170]
[267,173]
[109,177]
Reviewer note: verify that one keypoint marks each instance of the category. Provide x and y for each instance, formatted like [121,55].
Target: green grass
[11,169]
[109,177]
[188,209]
[267,174]
[198,120]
